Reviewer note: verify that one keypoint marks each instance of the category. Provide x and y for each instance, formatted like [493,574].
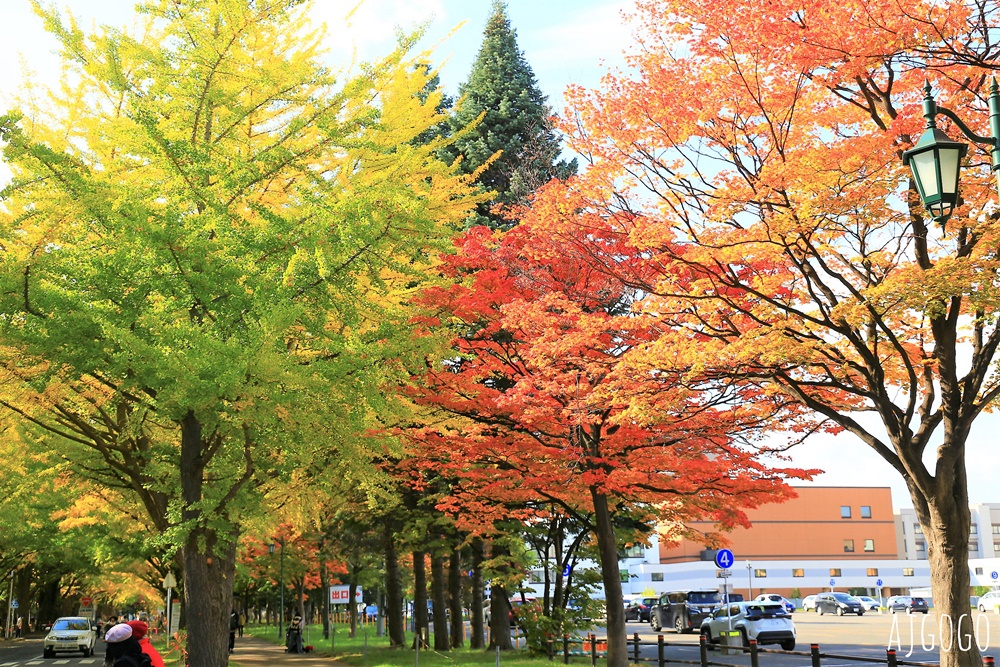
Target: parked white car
[868,603]
[774,597]
[70,634]
[809,603]
[989,602]
[767,622]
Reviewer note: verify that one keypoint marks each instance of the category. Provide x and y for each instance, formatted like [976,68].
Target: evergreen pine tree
[516,122]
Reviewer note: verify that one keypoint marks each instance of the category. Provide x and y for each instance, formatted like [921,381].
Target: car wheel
[653,624]
[708,636]
[861,613]
[909,610]
[840,611]
[982,608]
[788,645]
[744,639]
[87,652]
[679,625]
[924,611]
[48,654]
[820,610]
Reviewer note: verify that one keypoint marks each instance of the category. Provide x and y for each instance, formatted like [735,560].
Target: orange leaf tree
[557,406]
[753,155]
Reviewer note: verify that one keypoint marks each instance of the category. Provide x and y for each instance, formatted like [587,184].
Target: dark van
[683,610]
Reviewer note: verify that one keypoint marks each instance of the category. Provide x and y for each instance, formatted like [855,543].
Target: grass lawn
[378,654]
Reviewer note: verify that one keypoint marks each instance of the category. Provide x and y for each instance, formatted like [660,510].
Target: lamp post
[281,583]
[750,580]
[936,160]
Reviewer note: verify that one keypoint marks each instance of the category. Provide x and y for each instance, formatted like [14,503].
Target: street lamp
[936,160]
[750,580]
[281,583]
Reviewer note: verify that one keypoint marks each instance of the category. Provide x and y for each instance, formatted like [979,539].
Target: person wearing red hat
[139,630]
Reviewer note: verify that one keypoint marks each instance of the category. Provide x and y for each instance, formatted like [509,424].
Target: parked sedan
[767,622]
[989,602]
[639,609]
[809,603]
[868,603]
[774,597]
[839,604]
[910,605]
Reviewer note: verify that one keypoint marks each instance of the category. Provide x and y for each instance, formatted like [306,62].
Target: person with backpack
[139,630]
[234,625]
[124,649]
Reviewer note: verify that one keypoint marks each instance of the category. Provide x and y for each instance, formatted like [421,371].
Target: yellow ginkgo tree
[204,254]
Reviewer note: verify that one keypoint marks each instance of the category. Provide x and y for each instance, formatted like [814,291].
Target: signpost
[724,559]
[87,607]
[170,583]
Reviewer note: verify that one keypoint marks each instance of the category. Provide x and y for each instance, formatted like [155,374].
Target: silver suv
[767,622]
[70,634]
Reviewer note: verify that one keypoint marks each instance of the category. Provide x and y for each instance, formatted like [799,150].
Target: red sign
[86,601]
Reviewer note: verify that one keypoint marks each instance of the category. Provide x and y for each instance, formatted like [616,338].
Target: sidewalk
[253,652]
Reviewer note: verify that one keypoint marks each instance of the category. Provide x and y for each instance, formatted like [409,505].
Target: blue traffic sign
[724,558]
[567,570]
[993,574]
[878,583]
[832,582]
[13,604]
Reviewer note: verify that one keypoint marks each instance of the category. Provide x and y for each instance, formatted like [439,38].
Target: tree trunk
[945,521]
[607,545]
[209,559]
[393,591]
[324,581]
[455,600]
[499,619]
[477,640]
[420,625]
[352,607]
[439,604]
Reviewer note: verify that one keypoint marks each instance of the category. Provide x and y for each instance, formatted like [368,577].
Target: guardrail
[595,647]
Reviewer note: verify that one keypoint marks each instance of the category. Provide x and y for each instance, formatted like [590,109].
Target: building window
[917,529]
[996,546]
[848,546]
[798,572]
[869,545]
[845,511]
[634,551]
[973,529]
[921,546]
[903,526]
[760,574]
[656,576]
[537,577]
[979,570]
[973,547]
[873,572]
[996,529]
[834,571]
[866,512]
[907,571]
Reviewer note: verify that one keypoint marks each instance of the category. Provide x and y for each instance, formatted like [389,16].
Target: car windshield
[844,597]
[704,598]
[71,624]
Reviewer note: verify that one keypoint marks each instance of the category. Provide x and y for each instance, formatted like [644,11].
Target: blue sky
[566,42]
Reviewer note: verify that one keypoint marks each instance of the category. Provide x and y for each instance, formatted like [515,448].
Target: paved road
[863,636]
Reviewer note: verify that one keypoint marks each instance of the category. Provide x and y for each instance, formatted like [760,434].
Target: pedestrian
[124,649]
[20,627]
[234,626]
[243,621]
[293,636]
[139,631]
[112,622]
